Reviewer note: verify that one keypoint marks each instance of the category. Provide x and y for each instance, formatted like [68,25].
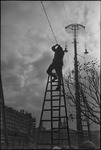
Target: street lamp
[75,28]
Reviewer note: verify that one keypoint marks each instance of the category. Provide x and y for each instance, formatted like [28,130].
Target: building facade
[20,128]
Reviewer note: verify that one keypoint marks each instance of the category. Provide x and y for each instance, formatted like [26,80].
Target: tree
[89,89]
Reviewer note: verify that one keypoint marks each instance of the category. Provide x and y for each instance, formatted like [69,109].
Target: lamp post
[75,28]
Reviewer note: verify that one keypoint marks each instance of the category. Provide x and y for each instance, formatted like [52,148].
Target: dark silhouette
[57,64]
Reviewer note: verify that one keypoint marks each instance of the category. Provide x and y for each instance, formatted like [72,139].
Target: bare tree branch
[89,83]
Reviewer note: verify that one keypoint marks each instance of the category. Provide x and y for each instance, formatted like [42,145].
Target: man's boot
[55,77]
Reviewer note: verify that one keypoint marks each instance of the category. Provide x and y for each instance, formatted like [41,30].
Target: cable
[66,19]
[64,10]
[49,22]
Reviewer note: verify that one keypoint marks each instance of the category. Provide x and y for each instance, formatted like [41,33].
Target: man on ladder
[57,64]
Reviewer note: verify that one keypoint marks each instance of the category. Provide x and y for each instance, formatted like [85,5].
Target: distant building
[20,128]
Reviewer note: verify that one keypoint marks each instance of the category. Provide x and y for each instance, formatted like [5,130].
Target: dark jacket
[58,56]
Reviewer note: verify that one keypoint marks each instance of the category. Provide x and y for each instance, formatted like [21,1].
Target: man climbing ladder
[57,64]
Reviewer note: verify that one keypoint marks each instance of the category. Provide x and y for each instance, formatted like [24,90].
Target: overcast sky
[26,40]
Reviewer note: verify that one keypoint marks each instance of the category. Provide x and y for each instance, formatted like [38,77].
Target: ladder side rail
[42,110]
[51,114]
[59,117]
[66,113]
[87,120]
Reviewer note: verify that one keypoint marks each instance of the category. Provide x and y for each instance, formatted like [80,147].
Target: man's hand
[56,45]
[65,50]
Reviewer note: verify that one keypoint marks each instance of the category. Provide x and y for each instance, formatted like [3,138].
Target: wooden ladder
[53,112]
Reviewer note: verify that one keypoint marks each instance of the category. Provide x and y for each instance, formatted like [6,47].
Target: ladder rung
[50,109]
[60,117]
[55,109]
[46,109]
[45,120]
[47,131]
[60,139]
[55,99]
[49,120]
[60,128]
[56,81]
[63,128]
[54,91]
[62,105]
[55,106]
[52,99]
[54,130]
[51,90]
[55,85]
[57,95]
[48,90]
[47,143]
[47,99]
[59,106]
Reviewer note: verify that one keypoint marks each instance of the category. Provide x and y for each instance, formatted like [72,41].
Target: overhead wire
[64,10]
[49,22]
[65,13]
[66,19]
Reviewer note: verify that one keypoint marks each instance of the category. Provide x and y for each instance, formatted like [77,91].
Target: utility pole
[2,105]
[75,28]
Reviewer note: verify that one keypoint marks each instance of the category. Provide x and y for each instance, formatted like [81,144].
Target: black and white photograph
[50,74]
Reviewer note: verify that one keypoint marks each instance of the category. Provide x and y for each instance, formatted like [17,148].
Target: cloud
[26,40]
[26,91]
[42,64]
